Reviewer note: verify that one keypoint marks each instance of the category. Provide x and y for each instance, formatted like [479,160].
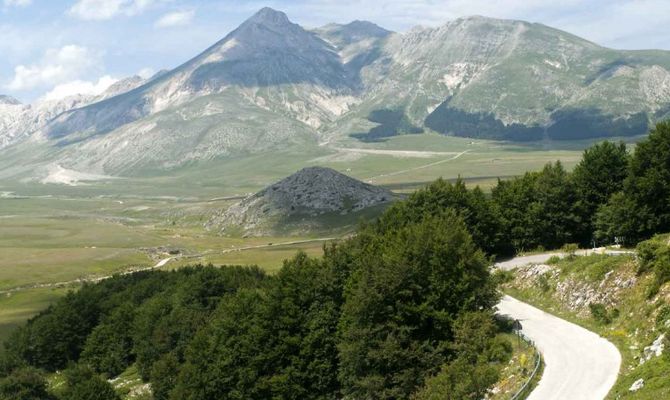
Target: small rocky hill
[299,201]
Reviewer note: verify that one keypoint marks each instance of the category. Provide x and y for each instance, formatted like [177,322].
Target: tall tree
[599,175]
[538,208]
[277,344]
[407,288]
[477,210]
[648,183]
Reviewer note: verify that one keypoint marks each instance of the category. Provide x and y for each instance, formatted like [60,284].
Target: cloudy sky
[53,48]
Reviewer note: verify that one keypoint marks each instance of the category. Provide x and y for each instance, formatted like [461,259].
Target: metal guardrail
[538,361]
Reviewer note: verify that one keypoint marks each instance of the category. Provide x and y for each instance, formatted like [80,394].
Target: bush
[646,253]
[543,282]
[24,384]
[662,317]
[570,250]
[603,316]
[81,383]
[654,256]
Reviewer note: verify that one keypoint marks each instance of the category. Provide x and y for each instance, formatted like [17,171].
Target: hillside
[301,201]
[619,299]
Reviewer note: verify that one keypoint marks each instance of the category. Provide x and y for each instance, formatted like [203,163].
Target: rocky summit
[310,192]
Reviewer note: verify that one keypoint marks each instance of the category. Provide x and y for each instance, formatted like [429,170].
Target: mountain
[272,85]
[357,43]
[293,202]
[263,61]
[513,80]
[8,100]
[19,121]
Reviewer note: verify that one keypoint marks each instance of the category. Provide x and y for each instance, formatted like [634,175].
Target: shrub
[83,384]
[24,384]
[600,313]
[662,317]
[543,282]
[646,252]
[570,249]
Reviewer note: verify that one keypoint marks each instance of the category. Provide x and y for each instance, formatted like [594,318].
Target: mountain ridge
[271,83]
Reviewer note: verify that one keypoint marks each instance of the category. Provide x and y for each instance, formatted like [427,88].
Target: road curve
[579,365]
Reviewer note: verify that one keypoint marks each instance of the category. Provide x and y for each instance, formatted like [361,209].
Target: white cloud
[107,9]
[80,87]
[176,18]
[17,3]
[57,66]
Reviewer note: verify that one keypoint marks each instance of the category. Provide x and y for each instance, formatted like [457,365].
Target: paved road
[525,260]
[543,257]
[579,365]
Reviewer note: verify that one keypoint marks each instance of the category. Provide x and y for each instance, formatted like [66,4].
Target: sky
[50,49]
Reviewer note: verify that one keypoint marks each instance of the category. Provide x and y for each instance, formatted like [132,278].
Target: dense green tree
[82,383]
[164,374]
[515,199]
[57,335]
[167,322]
[108,348]
[459,380]
[24,384]
[225,360]
[618,218]
[280,344]
[599,175]
[538,208]
[477,210]
[648,182]
[406,289]
[557,220]
[473,370]
[642,208]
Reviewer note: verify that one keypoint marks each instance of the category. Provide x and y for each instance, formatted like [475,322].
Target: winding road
[579,365]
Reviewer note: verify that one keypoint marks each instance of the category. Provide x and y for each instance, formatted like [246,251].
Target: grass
[631,331]
[129,385]
[517,371]
[268,258]
[55,249]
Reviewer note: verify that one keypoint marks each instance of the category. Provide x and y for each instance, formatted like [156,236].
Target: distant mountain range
[271,84]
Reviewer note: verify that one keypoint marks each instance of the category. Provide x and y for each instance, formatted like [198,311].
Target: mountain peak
[367,27]
[9,100]
[269,16]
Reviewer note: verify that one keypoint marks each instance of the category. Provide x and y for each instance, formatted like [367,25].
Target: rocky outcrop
[310,192]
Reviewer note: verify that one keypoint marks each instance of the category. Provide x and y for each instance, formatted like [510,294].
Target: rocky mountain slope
[504,79]
[19,121]
[295,200]
[271,84]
